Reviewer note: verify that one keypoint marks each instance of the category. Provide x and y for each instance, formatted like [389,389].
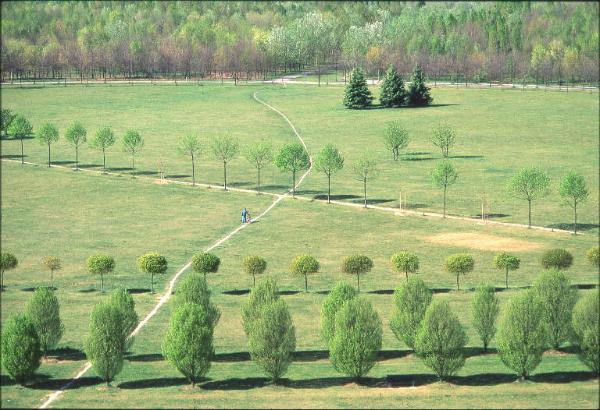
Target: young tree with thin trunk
[47,135]
[103,140]
[100,265]
[225,149]
[357,265]
[329,161]
[593,256]
[259,155]
[411,300]
[188,344]
[444,137]
[21,354]
[484,311]
[305,265]
[8,261]
[459,264]
[205,262]
[440,340]
[153,264]
[364,170]
[76,135]
[106,345]
[20,128]
[5,119]
[132,144]
[254,265]
[395,138]
[52,263]
[357,338]
[43,310]
[522,336]
[557,297]
[406,262]
[341,293]
[506,262]
[190,145]
[292,158]
[573,190]
[443,176]
[529,184]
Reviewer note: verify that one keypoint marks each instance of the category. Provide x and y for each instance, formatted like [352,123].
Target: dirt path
[169,291]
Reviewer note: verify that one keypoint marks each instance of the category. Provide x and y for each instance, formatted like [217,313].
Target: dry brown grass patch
[483,242]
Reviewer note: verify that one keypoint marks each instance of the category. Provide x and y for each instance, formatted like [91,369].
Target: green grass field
[73,214]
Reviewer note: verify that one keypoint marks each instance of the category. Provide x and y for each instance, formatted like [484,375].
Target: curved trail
[169,291]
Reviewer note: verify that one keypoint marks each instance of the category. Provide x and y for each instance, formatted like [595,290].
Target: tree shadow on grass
[87,290]
[466,156]
[63,162]
[478,216]
[563,377]
[391,291]
[478,351]
[239,184]
[149,357]
[86,166]
[273,187]
[148,173]
[236,384]
[135,291]
[55,384]
[410,380]
[415,158]
[373,201]
[10,156]
[483,379]
[236,292]
[569,226]
[5,380]
[336,197]
[67,353]
[179,176]
[415,206]
[232,357]
[585,286]
[154,383]
[119,169]
[392,354]
[288,292]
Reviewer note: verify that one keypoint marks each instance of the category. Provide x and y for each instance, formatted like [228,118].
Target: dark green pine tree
[418,92]
[357,93]
[393,93]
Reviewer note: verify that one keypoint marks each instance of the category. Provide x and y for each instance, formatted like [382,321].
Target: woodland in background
[456,41]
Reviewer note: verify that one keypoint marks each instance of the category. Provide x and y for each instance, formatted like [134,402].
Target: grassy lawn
[181,220]
[498,132]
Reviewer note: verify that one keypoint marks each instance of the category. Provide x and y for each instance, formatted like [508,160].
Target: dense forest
[499,41]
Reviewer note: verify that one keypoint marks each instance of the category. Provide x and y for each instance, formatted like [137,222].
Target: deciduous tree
[484,311]
[193,289]
[254,265]
[132,144]
[292,158]
[190,145]
[8,261]
[357,265]
[205,262]
[225,149]
[100,265]
[123,300]
[43,310]
[411,300]
[341,293]
[305,265]
[153,264]
[364,170]
[506,262]
[529,184]
[76,135]
[395,138]
[259,155]
[103,140]
[404,261]
[47,135]
[329,161]
[443,176]
[52,263]
[20,128]
[459,264]
[586,330]
[573,190]
[593,256]
[444,137]
[21,354]
[261,295]
[557,258]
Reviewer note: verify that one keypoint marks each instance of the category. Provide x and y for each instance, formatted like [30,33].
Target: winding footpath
[169,291]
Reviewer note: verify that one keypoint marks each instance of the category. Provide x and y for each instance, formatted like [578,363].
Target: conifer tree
[393,93]
[418,92]
[357,93]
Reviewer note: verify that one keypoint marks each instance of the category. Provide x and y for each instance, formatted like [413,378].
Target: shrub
[355,265]
[440,340]
[123,300]
[411,300]
[105,346]
[341,293]
[459,264]
[188,344]
[153,264]
[557,299]
[205,262]
[193,289]
[557,258]
[406,262]
[254,265]
[304,265]
[20,348]
[357,338]
[261,295]
[522,336]
[484,311]
[43,310]
[507,262]
[272,339]
[593,256]
[8,261]
[586,330]
[100,265]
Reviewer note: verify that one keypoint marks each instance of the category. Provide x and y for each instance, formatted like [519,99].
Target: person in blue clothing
[244,213]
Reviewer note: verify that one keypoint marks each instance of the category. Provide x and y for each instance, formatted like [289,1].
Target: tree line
[495,41]
[546,316]
[528,184]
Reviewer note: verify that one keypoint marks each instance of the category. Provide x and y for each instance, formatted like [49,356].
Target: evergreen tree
[357,93]
[418,92]
[393,93]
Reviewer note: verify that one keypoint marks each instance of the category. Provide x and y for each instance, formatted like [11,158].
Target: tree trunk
[506,279]
[152,283]
[22,154]
[365,190]
[48,155]
[133,164]
[529,201]
[294,184]
[358,282]
[101,283]
[457,282]
[258,180]
[193,172]
[103,159]
[52,278]
[575,222]
[2,281]
[76,157]
[406,273]
[329,188]
[305,283]
[253,280]
[225,175]
[445,201]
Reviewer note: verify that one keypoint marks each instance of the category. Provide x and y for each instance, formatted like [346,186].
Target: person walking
[244,213]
